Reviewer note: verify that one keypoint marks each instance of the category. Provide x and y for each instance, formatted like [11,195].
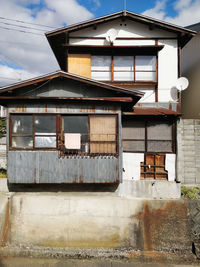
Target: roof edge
[87,23]
[61,73]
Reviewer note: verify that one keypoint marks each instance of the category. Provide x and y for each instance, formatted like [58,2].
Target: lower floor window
[72,134]
[148,136]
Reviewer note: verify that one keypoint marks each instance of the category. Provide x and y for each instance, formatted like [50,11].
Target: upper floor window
[124,68]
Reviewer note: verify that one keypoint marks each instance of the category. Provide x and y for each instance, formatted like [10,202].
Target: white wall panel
[131,165]
[170,166]
[167,69]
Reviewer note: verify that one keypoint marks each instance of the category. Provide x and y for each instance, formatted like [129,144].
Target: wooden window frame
[145,151]
[134,81]
[33,132]
[59,134]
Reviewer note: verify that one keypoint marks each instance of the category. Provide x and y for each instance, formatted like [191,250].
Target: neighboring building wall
[188,148]
[189,126]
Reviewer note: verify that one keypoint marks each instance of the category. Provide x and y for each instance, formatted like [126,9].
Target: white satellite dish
[174,93]
[111,35]
[182,83]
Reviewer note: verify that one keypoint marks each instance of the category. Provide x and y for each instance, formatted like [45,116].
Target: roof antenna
[124,7]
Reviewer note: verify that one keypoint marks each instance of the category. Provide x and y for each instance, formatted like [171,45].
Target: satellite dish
[174,93]
[182,83]
[111,35]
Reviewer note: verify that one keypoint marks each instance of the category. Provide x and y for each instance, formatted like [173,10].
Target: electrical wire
[9,78]
[5,28]
[20,26]
[21,21]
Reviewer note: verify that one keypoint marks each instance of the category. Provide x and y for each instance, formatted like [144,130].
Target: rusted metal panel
[48,167]
[153,112]
[64,108]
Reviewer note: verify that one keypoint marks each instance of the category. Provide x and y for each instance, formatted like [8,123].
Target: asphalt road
[30,262]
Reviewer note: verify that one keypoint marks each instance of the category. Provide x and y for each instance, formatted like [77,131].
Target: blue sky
[25,52]
[132,5]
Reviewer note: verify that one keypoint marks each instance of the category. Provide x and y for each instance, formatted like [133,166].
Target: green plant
[2,127]
[3,173]
[190,192]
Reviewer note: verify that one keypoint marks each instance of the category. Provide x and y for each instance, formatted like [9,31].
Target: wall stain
[4,236]
[160,225]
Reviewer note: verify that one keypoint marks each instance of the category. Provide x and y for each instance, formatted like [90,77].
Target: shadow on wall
[63,187]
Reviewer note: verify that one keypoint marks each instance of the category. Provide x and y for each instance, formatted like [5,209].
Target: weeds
[190,192]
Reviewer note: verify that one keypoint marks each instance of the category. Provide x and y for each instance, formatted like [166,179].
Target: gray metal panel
[65,88]
[22,167]
[47,167]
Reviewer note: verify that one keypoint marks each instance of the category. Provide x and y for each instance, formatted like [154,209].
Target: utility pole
[125,7]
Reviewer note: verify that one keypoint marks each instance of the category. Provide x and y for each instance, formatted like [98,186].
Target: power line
[5,28]
[11,24]
[21,21]
[9,78]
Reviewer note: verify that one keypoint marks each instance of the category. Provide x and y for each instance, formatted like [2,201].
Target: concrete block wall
[188,151]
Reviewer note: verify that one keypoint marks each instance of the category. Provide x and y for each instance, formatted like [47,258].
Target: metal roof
[194,27]
[128,14]
[152,112]
[67,75]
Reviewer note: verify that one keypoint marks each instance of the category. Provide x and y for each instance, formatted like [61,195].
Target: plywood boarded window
[153,167]
[103,134]
[80,64]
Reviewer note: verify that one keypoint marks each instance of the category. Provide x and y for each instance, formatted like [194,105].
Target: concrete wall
[98,220]
[188,148]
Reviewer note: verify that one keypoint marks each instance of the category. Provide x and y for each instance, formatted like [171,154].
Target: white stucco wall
[167,57]
[167,69]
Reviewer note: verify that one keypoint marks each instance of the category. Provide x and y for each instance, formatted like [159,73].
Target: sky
[24,50]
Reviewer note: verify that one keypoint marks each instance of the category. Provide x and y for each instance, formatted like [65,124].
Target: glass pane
[101,63]
[45,125]
[133,130]
[101,76]
[76,124]
[45,141]
[123,63]
[159,131]
[159,146]
[22,124]
[145,62]
[145,76]
[123,76]
[22,141]
[133,146]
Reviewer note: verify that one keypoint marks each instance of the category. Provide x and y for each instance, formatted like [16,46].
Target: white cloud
[158,11]
[9,75]
[32,52]
[188,12]
[97,3]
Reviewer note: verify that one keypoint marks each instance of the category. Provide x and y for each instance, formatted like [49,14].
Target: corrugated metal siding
[47,167]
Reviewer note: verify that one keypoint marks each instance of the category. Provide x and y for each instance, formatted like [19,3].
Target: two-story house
[109,115]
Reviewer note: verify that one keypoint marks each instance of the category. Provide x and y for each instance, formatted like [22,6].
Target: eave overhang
[58,38]
[123,95]
[152,112]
